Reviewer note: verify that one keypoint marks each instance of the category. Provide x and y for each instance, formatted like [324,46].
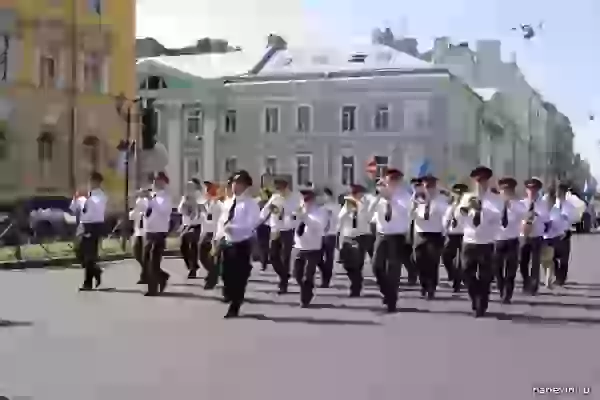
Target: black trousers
[478,272]
[280,255]
[327,259]
[263,237]
[305,267]
[562,254]
[387,264]
[428,252]
[154,249]
[208,260]
[531,249]
[506,261]
[352,255]
[451,258]
[89,236]
[190,247]
[137,246]
[237,267]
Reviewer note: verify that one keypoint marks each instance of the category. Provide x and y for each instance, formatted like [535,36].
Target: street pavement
[58,344]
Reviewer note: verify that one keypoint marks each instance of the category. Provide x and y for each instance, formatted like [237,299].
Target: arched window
[45,147]
[153,82]
[91,148]
[3,146]
[45,153]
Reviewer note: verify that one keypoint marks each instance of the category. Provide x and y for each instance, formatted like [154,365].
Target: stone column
[174,147]
[211,118]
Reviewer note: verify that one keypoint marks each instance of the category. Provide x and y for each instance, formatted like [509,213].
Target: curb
[67,262]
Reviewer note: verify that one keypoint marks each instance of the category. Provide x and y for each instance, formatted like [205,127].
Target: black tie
[477,218]
[532,207]
[231,212]
[505,215]
[388,212]
[84,209]
[355,220]
[301,229]
[281,214]
[149,210]
[427,211]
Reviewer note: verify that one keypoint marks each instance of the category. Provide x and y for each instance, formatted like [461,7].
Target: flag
[424,168]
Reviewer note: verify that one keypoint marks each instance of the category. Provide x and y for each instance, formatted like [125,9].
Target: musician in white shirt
[506,250]
[391,209]
[157,223]
[136,215]
[91,211]
[279,214]
[243,216]
[332,209]
[534,227]
[308,240]
[210,214]
[562,215]
[479,212]
[191,225]
[354,225]
[451,254]
[428,212]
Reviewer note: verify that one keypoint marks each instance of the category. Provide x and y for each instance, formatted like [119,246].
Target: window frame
[377,115]
[266,164]
[266,128]
[309,127]
[47,80]
[342,169]
[355,118]
[417,123]
[190,114]
[227,124]
[381,167]
[309,157]
[227,160]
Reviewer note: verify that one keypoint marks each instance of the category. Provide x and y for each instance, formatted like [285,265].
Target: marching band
[480,236]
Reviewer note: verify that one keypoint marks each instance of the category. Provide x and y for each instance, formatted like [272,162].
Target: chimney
[489,51]
[440,48]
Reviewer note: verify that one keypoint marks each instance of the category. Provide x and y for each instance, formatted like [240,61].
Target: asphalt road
[58,344]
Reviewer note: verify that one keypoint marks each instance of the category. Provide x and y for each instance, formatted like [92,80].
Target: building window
[192,168]
[194,121]
[4,49]
[381,164]
[45,153]
[416,114]
[91,149]
[92,72]
[304,169]
[153,82]
[271,165]
[348,118]
[382,118]
[230,121]
[3,146]
[347,170]
[230,166]
[272,120]
[303,119]
[47,71]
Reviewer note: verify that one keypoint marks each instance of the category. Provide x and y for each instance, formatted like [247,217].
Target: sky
[562,62]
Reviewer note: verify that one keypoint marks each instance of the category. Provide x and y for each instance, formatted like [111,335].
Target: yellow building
[46,93]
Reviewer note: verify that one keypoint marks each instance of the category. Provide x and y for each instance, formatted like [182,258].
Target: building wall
[46,28]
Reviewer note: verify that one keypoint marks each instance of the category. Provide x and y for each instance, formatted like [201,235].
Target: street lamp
[127,147]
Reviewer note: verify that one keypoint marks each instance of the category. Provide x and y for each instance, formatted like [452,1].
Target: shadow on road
[501,316]
[309,320]
[14,324]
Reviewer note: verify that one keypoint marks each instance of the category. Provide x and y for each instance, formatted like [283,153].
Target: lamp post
[127,147]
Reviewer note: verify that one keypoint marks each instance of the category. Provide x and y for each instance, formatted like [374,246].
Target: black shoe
[209,286]
[456,288]
[162,285]
[479,312]
[430,294]
[282,290]
[304,304]
[98,278]
[151,294]
[423,292]
[506,300]
[193,274]
[391,308]
[232,312]
[86,288]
